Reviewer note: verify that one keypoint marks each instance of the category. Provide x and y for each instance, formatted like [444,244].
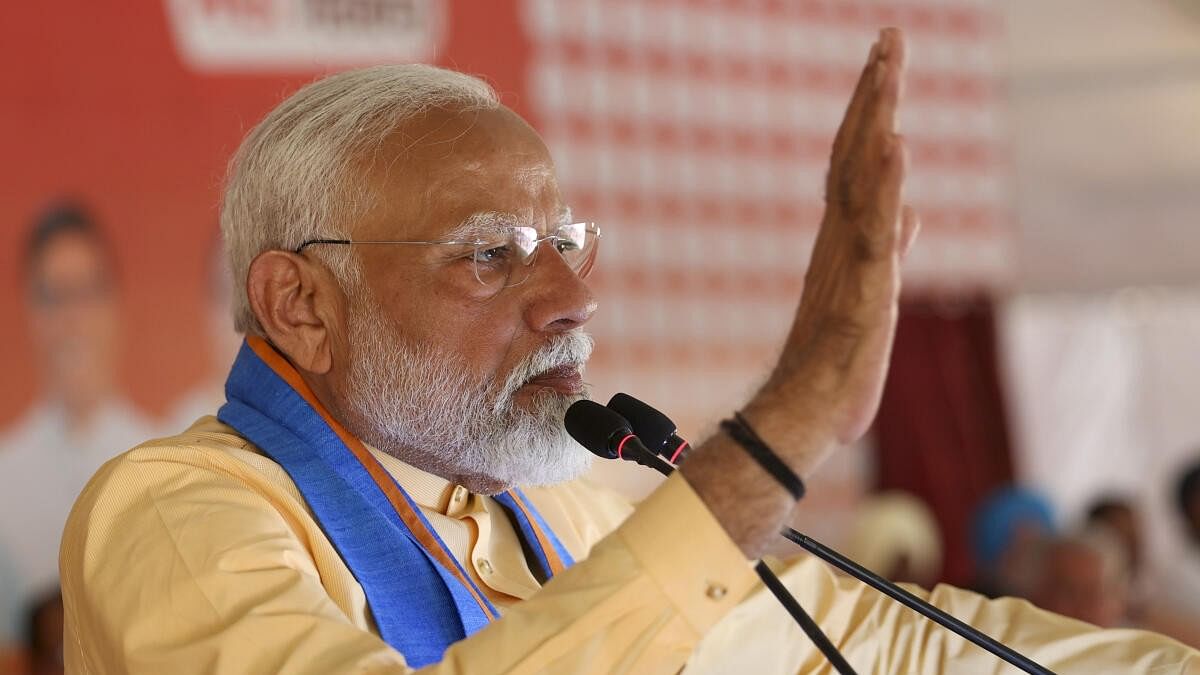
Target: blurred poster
[215,35]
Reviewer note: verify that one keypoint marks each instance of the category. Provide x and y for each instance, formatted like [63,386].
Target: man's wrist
[743,498]
[742,432]
[798,431]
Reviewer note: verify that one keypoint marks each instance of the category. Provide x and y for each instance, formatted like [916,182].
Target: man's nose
[558,299]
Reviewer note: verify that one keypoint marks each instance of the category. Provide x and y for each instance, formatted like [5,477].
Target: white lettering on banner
[290,35]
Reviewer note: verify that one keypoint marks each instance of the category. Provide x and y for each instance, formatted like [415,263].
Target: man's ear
[296,301]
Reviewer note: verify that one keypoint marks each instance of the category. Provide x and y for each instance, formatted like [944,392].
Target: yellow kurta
[196,554]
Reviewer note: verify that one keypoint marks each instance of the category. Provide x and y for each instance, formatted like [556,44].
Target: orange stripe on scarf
[556,564]
[384,480]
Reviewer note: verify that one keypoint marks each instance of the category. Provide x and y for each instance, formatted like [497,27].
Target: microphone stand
[806,622]
[914,603]
[773,584]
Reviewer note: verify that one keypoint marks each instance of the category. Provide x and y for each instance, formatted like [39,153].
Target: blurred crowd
[1095,570]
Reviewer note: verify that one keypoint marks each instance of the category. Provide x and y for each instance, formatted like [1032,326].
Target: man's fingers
[879,121]
[857,162]
[866,82]
[884,224]
[889,83]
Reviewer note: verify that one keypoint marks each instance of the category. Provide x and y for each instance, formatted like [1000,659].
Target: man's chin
[559,469]
[491,486]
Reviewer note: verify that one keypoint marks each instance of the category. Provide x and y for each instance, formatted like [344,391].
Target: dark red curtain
[942,431]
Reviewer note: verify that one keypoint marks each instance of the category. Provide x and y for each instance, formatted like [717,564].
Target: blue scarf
[421,598]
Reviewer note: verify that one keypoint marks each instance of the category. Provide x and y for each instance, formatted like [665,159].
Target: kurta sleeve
[880,636]
[186,567]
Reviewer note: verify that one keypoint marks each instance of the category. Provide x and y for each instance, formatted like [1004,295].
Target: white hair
[295,175]
[417,403]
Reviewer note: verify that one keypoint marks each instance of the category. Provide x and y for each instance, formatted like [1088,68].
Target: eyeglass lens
[508,259]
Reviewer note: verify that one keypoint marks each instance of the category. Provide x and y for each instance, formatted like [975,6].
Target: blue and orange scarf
[421,598]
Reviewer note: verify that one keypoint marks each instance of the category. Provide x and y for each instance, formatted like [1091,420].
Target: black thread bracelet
[741,431]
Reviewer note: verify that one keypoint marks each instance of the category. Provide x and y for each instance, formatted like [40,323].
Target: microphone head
[595,427]
[652,427]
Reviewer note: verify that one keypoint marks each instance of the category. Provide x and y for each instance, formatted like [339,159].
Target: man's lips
[563,379]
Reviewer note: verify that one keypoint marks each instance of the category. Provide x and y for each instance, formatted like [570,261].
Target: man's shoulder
[207,450]
[206,440]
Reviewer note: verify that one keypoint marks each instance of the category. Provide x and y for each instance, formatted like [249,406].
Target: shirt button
[459,494]
[485,567]
[715,591]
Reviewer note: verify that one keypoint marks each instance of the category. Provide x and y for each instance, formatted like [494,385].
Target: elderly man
[411,287]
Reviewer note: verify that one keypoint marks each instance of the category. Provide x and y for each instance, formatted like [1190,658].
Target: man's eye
[565,245]
[494,255]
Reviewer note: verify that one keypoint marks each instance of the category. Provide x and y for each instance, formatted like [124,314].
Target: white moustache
[571,349]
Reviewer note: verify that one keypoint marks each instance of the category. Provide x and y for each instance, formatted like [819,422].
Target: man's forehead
[454,174]
[535,179]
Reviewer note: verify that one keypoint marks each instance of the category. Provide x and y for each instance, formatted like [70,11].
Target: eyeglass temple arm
[314,242]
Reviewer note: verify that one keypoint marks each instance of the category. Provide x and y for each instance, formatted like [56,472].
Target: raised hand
[835,359]
[826,388]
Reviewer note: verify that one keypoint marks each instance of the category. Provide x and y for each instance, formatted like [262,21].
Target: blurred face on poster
[74,317]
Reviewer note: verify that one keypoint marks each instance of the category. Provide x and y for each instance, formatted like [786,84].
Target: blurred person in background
[1152,603]
[1180,590]
[1005,535]
[80,418]
[44,634]
[1118,515]
[223,343]
[1083,575]
[895,535]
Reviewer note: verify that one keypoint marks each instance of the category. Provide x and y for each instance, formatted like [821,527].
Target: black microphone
[609,435]
[655,429]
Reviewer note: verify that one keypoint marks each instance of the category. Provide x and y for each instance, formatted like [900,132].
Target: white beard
[417,404]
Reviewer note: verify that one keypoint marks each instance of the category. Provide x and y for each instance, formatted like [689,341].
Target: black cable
[772,582]
[810,627]
[914,603]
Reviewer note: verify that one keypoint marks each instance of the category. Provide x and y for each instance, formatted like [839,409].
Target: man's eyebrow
[481,223]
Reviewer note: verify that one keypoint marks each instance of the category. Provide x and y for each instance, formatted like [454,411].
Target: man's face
[74,317]
[497,367]
[1124,524]
[1076,584]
